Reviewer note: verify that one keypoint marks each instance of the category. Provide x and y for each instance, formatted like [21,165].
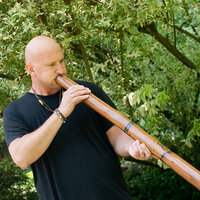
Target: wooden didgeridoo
[180,166]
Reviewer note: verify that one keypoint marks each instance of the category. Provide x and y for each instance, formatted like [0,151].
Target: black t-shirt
[80,163]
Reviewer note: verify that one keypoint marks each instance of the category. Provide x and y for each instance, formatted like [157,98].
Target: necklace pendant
[41,102]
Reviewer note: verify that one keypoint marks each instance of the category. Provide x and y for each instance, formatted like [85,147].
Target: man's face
[48,64]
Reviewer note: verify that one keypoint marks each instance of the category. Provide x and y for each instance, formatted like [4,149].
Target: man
[75,160]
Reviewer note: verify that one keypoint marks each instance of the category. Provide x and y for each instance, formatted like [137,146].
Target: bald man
[70,148]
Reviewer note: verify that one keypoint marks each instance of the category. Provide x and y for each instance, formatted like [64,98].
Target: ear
[29,68]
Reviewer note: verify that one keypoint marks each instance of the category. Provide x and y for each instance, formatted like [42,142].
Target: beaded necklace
[45,104]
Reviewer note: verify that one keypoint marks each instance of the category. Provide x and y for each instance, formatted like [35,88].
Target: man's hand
[138,151]
[74,95]
[125,146]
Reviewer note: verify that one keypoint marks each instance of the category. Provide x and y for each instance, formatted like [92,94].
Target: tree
[145,52]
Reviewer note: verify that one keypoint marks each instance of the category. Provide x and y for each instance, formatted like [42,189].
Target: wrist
[64,110]
[128,146]
[60,115]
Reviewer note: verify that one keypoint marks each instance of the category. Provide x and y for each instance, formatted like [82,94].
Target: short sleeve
[13,124]
[97,91]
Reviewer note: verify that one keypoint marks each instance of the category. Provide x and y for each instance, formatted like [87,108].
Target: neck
[44,91]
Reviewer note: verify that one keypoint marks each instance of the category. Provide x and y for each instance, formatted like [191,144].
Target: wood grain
[179,165]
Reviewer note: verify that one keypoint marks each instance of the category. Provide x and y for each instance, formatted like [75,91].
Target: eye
[51,64]
[61,61]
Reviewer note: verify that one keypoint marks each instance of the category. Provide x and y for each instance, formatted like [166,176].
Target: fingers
[79,99]
[139,151]
[77,90]
[146,151]
[77,93]
[74,95]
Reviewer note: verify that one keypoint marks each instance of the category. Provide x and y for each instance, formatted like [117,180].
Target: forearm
[30,147]
[126,146]
[122,144]
[120,141]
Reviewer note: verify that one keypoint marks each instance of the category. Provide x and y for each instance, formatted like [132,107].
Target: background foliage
[143,53]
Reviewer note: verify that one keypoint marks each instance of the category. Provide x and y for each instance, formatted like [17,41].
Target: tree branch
[174,29]
[122,58]
[190,20]
[81,46]
[167,16]
[152,30]
[185,32]
[7,76]
[143,162]
[86,61]
[67,2]
[41,16]
[93,2]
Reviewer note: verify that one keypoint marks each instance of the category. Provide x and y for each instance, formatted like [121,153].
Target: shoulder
[14,119]
[16,104]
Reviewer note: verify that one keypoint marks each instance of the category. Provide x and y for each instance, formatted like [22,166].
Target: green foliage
[156,184]
[146,81]
[15,185]
[3,147]
[149,102]
[194,134]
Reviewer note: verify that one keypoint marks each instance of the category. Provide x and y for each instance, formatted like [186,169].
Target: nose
[60,69]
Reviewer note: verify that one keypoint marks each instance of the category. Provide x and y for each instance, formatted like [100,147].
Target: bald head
[37,47]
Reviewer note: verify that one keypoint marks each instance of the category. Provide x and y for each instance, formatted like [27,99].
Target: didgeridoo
[180,166]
